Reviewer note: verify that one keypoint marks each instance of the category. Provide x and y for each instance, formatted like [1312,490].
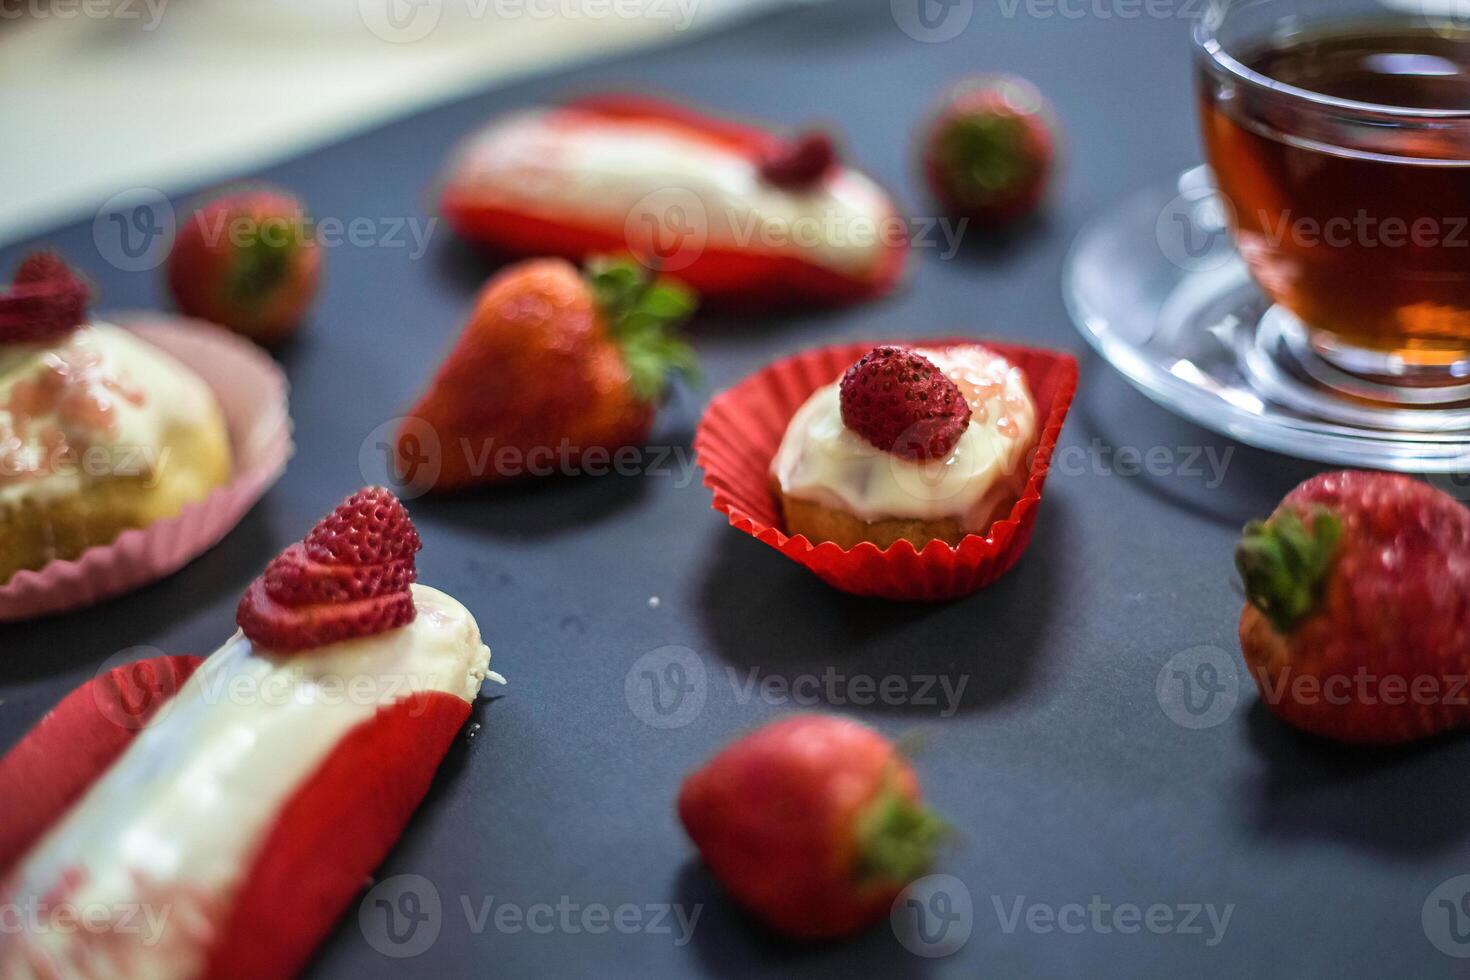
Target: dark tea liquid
[1361,228]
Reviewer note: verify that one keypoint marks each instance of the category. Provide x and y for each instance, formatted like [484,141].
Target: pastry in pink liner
[839,480]
[742,432]
[100,432]
[218,464]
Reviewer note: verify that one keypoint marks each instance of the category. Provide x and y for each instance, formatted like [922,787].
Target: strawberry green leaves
[896,837]
[1282,563]
[643,314]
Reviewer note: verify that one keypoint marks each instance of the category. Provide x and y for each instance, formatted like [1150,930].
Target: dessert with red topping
[100,431]
[912,444]
[744,215]
[349,578]
[256,790]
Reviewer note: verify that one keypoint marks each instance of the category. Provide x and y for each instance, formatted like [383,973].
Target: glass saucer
[1156,286]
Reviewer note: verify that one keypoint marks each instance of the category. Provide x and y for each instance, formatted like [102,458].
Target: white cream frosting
[180,813]
[823,461]
[112,398]
[605,171]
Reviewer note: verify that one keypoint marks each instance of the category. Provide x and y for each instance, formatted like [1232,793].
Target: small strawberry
[1357,616]
[987,153]
[247,260]
[903,404]
[350,578]
[799,164]
[813,823]
[46,301]
[552,364]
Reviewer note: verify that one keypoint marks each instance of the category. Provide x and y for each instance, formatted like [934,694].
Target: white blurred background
[98,95]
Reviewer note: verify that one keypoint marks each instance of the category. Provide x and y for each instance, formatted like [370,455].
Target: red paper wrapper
[252,394]
[742,430]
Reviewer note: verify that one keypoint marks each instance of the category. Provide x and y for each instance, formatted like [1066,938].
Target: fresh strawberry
[813,823]
[551,365]
[350,578]
[903,404]
[247,259]
[988,151]
[45,302]
[800,163]
[1357,621]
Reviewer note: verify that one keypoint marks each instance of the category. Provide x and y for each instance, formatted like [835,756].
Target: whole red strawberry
[553,366]
[813,823]
[903,404]
[988,150]
[248,260]
[45,302]
[1357,620]
[349,579]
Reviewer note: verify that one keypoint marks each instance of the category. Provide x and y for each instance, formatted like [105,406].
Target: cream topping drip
[94,405]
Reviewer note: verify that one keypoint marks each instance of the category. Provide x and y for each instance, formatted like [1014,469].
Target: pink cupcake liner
[252,393]
[742,430]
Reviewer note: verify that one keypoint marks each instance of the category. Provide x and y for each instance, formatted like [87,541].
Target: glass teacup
[1339,135]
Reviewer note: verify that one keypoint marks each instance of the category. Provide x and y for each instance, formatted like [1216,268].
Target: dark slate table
[1072,789]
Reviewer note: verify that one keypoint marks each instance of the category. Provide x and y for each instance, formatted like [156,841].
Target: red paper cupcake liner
[742,430]
[252,395]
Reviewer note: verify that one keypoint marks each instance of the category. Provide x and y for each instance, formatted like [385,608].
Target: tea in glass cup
[1339,137]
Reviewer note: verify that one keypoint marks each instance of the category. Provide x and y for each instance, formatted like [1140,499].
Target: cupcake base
[818,522]
[821,523]
[35,532]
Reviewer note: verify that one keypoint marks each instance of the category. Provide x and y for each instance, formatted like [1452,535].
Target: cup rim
[1209,48]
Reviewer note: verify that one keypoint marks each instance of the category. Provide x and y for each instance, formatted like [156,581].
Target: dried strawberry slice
[369,527]
[292,629]
[801,163]
[45,302]
[900,402]
[349,579]
[293,579]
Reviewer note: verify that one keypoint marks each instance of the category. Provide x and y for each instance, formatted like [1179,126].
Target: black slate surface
[1062,773]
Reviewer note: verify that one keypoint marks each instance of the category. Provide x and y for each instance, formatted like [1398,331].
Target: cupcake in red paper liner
[124,453]
[907,471]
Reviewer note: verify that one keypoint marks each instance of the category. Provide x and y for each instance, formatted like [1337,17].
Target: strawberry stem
[264,261]
[985,155]
[1282,563]
[643,313]
[896,838]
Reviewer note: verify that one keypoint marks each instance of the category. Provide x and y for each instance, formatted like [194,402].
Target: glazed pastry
[738,213]
[100,431]
[918,445]
[269,780]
